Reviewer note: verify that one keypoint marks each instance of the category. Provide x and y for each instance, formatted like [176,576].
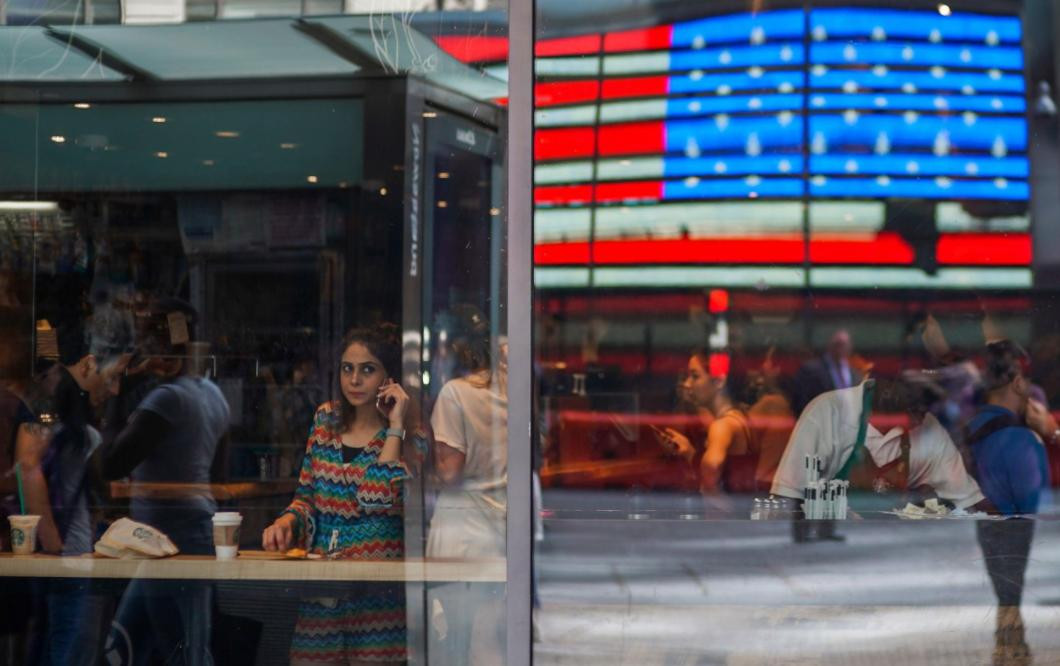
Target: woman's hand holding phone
[393,403]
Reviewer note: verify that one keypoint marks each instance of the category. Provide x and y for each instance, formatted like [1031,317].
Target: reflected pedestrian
[729,457]
[828,372]
[1010,464]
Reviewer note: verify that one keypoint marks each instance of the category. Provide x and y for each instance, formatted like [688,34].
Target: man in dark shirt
[1009,463]
[172,437]
[829,372]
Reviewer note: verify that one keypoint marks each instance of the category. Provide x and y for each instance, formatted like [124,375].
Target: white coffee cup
[23,534]
[226,534]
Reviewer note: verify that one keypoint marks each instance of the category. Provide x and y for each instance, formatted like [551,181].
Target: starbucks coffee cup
[23,534]
[226,534]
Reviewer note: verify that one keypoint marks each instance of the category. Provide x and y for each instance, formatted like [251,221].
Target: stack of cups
[226,534]
[23,534]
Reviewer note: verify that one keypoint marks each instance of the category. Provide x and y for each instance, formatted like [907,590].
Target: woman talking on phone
[348,505]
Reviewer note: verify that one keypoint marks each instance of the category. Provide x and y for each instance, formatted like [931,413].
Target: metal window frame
[519,152]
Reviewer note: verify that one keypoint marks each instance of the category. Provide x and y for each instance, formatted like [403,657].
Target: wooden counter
[254,565]
[235,490]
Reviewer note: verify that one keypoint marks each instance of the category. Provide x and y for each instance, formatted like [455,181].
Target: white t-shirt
[828,428]
[474,421]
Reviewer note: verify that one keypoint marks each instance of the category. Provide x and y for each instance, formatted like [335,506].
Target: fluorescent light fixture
[30,206]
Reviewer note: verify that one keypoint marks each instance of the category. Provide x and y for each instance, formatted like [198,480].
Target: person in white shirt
[470,426]
[828,428]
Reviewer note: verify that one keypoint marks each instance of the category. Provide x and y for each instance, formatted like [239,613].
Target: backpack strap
[970,439]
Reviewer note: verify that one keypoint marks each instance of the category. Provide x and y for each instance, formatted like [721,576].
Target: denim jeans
[77,617]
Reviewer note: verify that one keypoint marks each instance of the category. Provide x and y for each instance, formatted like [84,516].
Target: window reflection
[745,217]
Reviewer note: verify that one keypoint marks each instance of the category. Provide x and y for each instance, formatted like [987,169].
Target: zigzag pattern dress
[349,507]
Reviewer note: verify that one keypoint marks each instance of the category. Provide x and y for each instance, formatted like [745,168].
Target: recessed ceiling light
[58,138]
[311,179]
[430,114]
[82,105]
[944,9]
[226,134]
[443,204]
[162,154]
[207,162]
[443,174]
[288,146]
[382,191]
[158,120]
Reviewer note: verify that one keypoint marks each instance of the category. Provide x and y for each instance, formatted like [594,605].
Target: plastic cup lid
[227,516]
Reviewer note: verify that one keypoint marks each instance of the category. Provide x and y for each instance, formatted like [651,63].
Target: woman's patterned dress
[349,506]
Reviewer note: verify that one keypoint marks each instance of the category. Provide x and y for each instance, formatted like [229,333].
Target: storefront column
[520,292]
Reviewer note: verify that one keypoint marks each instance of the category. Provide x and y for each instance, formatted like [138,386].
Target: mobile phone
[384,404]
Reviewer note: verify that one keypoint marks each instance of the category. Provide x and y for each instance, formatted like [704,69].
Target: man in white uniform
[829,428]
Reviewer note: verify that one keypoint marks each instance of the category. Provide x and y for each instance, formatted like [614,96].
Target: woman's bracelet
[396,432]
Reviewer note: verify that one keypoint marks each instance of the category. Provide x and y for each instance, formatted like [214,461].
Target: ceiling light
[58,138]
[311,179]
[162,154]
[288,146]
[207,162]
[944,9]
[37,206]
[158,120]
[430,114]
[226,134]
[82,105]
[382,191]
[443,174]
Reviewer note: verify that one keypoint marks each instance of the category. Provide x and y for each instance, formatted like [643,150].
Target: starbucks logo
[141,534]
[18,537]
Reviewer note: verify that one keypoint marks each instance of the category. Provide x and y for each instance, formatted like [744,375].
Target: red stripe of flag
[784,250]
[565,92]
[553,195]
[633,138]
[552,144]
[474,48]
[984,249]
[641,39]
[636,86]
[555,254]
[562,46]
[884,249]
[629,191]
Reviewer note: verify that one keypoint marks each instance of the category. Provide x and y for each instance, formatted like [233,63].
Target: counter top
[255,565]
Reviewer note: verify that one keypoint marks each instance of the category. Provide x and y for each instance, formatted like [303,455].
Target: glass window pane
[786,258]
[253,337]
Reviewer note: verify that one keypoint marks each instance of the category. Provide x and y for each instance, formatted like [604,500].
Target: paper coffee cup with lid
[23,534]
[226,534]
